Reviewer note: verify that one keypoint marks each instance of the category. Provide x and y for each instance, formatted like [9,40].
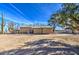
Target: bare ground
[23,44]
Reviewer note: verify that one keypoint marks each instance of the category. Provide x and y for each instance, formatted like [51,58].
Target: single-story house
[36,29]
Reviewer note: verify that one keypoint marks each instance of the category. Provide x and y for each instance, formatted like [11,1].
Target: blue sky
[28,13]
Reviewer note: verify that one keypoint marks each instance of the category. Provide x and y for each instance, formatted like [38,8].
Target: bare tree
[11,27]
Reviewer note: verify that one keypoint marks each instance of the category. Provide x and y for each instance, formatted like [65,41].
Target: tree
[11,27]
[68,16]
[53,21]
[17,27]
[71,12]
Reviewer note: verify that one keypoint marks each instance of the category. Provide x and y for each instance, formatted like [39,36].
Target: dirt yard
[23,44]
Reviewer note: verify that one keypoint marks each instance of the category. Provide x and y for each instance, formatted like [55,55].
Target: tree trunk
[54,29]
[73,32]
[2,25]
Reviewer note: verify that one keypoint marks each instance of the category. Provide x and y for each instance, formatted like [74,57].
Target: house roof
[36,26]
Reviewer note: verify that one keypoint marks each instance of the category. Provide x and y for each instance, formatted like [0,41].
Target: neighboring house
[25,29]
[36,29]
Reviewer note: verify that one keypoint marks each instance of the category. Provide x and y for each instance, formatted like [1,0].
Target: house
[36,29]
[26,29]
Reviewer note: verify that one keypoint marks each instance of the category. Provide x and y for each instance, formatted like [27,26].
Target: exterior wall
[25,29]
[42,30]
[47,30]
[37,30]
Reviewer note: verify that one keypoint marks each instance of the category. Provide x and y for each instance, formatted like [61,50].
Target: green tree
[72,15]
[68,16]
[53,21]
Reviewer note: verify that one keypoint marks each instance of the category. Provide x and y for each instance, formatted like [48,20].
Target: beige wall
[43,30]
[36,30]
[47,30]
[25,29]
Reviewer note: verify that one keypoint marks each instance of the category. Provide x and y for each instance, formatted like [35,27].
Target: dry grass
[13,41]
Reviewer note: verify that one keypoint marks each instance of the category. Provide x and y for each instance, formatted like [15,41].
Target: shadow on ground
[43,47]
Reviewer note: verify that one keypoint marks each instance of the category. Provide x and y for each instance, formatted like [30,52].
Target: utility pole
[2,25]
